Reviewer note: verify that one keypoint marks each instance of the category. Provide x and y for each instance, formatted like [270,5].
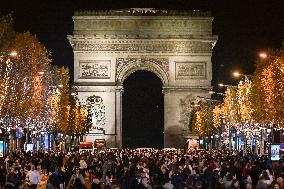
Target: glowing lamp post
[213,92]
[13,54]
[247,77]
[41,73]
[263,55]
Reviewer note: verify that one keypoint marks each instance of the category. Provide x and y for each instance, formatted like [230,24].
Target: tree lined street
[36,100]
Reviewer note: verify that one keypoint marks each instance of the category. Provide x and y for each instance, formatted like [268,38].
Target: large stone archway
[110,45]
[143,121]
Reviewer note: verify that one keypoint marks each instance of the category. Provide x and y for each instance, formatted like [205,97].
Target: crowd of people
[141,169]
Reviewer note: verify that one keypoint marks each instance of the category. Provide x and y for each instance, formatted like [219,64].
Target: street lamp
[40,73]
[223,85]
[213,92]
[263,55]
[237,74]
[207,99]
[13,54]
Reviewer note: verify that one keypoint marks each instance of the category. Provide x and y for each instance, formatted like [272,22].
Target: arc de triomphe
[110,45]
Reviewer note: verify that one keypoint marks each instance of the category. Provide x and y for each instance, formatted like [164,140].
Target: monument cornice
[141,38]
[176,87]
[192,88]
[143,12]
[142,17]
[143,45]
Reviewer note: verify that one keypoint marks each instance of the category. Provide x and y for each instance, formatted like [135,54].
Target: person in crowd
[230,181]
[83,166]
[75,177]
[95,183]
[33,178]
[265,180]
[275,185]
[145,183]
[3,174]
[77,184]
[168,184]
[9,184]
[19,176]
[55,180]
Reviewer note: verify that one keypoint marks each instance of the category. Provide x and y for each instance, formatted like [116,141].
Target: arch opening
[142,111]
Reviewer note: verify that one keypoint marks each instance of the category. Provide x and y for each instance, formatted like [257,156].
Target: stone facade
[109,46]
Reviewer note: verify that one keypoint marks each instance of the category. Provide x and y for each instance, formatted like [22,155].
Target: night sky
[244,27]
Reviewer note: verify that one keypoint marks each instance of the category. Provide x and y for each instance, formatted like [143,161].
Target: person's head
[32,167]
[265,175]
[144,181]
[280,180]
[249,178]
[16,170]
[115,187]
[77,170]
[163,169]
[275,185]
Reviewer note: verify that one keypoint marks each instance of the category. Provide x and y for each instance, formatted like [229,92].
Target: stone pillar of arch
[110,45]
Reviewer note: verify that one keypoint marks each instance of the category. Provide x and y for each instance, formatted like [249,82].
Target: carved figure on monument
[191,70]
[96,113]
[186,105]
[94,69]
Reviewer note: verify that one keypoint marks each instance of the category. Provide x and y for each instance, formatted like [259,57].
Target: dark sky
[244,27]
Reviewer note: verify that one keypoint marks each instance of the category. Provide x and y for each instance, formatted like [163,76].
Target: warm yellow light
[211,92]
[73,94]
[236,74]
[221,85]
[40,73]
[13,53]
[60,86]
[263,55]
